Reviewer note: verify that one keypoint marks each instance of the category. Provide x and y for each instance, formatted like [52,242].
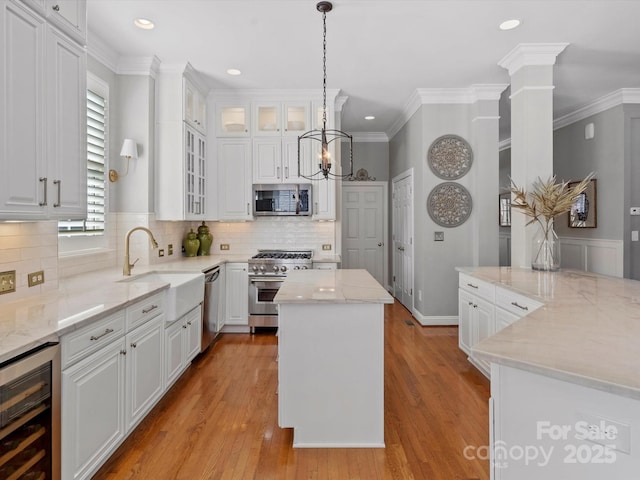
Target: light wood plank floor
[220,420]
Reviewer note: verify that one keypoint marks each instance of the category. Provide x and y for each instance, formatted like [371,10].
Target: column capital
[526,54]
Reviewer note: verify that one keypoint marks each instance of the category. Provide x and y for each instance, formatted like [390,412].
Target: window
[96,154]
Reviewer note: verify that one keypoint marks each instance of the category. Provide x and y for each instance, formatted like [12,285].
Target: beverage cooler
[30,416]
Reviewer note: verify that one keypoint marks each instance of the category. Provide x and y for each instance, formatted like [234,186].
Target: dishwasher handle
[212,275]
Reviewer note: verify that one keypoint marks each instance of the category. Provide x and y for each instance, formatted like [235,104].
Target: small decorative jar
[206,239]
[191,244]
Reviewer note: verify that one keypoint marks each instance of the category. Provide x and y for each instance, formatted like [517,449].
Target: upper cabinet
[42,127]
[70,16]
[232,120]
[195,107]
[280,118]
[182,186]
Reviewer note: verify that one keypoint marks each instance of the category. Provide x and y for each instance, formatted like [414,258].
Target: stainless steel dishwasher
[210,311]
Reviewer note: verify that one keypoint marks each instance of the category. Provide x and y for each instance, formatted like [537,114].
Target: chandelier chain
[324,69]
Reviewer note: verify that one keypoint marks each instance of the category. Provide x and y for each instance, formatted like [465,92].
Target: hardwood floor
[220,420]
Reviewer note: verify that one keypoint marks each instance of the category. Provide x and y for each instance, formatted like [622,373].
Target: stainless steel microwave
[281,199]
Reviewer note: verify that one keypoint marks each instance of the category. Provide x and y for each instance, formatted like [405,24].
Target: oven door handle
[267,280]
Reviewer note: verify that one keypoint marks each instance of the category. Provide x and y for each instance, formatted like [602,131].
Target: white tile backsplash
[33,246]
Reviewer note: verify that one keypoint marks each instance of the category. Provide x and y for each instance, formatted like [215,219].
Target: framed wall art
[583,213]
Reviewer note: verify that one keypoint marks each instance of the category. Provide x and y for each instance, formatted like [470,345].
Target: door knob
[380,244]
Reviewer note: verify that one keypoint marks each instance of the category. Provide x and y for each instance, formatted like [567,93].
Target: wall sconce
[129,151]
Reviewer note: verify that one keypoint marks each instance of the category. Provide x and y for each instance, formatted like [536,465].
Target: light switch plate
[326,246]
[224,246]
[634,211]
[36,278]
[170,249]
[161,252]
[7,281]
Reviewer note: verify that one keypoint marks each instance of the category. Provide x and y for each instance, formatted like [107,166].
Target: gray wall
[632,190]
[574,157]
[373,156]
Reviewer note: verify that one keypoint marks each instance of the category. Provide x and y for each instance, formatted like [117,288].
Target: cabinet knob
[56,8]
[184,326]
[123,352]
[134,345]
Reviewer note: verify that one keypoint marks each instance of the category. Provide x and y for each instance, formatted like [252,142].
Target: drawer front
[144,310]
[91,338]
[515,303]
[480,288]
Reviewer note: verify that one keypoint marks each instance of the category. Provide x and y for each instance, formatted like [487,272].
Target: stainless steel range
[267,271]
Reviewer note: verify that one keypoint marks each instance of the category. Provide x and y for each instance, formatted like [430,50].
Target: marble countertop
[331,286]
[587,332]
[30,322]
[326,258]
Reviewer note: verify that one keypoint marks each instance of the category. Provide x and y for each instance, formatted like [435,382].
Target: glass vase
[545,249]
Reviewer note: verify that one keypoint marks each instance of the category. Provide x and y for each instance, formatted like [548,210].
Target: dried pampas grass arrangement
[547,200]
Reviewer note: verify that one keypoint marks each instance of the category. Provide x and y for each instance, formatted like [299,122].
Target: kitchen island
[331,358]
[565,382]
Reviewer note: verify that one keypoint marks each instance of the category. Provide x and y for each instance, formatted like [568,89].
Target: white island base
[331,374]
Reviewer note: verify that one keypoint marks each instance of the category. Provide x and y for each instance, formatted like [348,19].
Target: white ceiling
[379,52]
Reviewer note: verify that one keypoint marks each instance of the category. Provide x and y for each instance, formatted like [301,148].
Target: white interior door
[364,226]
[402,236]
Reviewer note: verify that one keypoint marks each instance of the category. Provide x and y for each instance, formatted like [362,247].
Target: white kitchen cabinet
[280,118]
[195,106]
[276,161]
[237,294]
[234,179]
[182,344]
[232,119]
[67,127]
[144,370]
[476,313]
[325,266]
[70,16]
[43,127]
[504,319]
[111,378]
[93,410]
[182,170]
[324,199]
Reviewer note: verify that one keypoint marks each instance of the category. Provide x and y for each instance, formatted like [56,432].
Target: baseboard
[427,321]
[235,329]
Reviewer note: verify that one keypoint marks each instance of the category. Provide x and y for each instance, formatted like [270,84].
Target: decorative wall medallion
[450,157]
[362,175]
[449,204]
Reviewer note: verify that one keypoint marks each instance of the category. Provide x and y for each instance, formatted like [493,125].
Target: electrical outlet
[635,211]
[36,278]
[603,431]
[438,236]
[326,246]
[161,252]
[170,249]
[224,246]
[7,281]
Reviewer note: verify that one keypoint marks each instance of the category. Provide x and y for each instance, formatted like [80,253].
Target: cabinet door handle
[315,208]
[247,208]
[134,345]
[184,326]
[56,8]
[401,249]
[278,173]
[470,304]
[472,285]
[516,304]
[44,202]
[98,337]
[123,352]
[150,309]
[475,306]
[286,172]
[59,184]
[189,322]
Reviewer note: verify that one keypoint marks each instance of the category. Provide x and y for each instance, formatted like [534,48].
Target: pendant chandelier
[324,136]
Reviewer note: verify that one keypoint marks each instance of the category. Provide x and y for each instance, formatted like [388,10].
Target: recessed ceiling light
[143,23]
[369,117]
[234,71]
[510,24]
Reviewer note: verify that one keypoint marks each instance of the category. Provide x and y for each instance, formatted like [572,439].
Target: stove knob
[255,268]
[262,269]
[304,267]
[297,267]
[283,268]
[276,268]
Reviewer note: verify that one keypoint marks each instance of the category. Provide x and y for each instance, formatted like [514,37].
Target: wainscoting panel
[593,255]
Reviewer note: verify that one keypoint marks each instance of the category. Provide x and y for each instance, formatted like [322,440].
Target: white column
[485,133]
[531,69]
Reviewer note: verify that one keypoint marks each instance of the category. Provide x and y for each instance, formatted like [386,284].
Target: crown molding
[526,54]
[451,96]
[102,52]
[613,99]
[370,137]
[274,94]
[138,66]
[340,101]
